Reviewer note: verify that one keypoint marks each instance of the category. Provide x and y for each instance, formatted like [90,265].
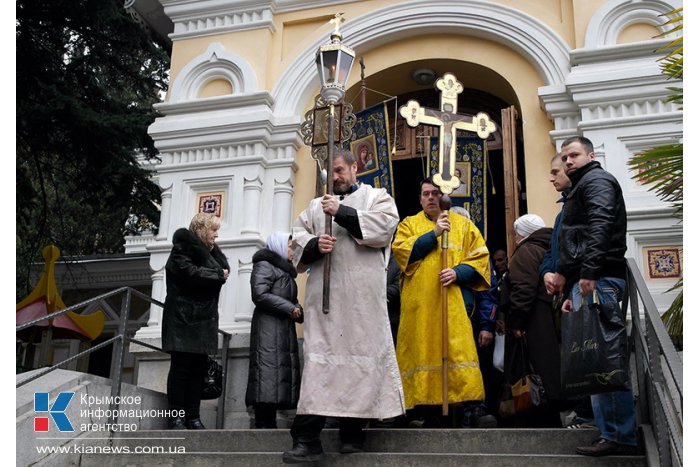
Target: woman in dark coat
[195,271]
[274,374]
[529,313]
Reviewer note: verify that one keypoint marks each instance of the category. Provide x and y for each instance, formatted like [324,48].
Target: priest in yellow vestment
[419,343]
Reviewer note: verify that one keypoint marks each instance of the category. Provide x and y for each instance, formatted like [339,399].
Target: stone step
[257,459]
[460,441]
[385,447]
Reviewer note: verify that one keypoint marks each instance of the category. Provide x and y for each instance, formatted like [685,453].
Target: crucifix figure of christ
[449,121]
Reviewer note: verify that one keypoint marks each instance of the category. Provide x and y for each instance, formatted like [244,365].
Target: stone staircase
[384,447]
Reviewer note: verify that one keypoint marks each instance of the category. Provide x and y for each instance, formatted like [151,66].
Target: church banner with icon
[470,168]
[370,144]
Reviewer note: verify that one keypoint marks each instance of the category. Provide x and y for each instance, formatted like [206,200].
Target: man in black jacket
[592,246]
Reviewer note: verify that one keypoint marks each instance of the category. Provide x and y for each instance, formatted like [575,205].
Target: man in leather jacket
[592,246]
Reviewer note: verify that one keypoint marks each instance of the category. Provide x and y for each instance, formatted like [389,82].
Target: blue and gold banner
[470,169]
[370,144]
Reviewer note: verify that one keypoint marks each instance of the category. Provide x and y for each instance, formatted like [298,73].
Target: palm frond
[661,169]
[673,317]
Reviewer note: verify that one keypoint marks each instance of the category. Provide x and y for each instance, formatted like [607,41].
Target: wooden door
[510,173]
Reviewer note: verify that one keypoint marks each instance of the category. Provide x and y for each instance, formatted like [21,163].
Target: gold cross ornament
[449,121]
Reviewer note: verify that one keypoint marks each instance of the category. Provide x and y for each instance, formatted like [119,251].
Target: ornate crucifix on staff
[448,121]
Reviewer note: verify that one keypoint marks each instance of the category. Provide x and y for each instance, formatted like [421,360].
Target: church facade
[243,76]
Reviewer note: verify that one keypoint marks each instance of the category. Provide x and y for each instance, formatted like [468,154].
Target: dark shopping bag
[213,380]
[594,349]
[523,389]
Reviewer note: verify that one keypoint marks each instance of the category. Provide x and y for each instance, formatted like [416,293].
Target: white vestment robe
[350,367]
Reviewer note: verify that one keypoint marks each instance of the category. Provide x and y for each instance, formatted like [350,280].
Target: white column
[252,190]
[244,302]
[282,205]
[158,293]
[164,227]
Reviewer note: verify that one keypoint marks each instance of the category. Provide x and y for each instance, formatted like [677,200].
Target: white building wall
[615,96]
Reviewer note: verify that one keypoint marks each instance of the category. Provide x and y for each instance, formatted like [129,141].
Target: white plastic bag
[499,351]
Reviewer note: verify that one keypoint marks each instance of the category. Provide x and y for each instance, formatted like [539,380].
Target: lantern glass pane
[330,65]
[319,65]
[345,65]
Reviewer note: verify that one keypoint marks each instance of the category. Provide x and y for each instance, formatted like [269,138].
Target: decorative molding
[252,183]
[197,18]
[223,130]
[284,186]
[245,154]
[137,243]
[557,102]
[251,152]
[215,63]
[639,121]
[241,242]
[285,6]
[132,270]
[638,143]
[621,52]
[530,37]
[209,104]
[614,16]
[163,248]
[623,110]
[660,212]
[245,267]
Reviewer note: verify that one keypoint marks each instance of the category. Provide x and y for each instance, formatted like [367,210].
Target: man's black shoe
[605,447]
[177,423]
[486,421]
[303,452]
[195,424]
[479,418]
[349,448]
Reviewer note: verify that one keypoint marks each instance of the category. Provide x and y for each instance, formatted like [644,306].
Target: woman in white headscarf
[274,374]
[530,316]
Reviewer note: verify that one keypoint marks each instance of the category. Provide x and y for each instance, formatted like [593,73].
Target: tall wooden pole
[329,218]
[445,204]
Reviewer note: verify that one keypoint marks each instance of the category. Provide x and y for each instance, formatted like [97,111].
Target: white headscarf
[277,242]
[527,224]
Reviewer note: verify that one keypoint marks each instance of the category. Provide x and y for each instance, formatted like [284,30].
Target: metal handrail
[659,376]
[119,347]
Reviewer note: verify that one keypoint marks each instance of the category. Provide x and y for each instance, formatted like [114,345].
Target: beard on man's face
[341,187]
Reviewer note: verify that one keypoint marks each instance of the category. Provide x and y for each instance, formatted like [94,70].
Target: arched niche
[215,69]
[614,17]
